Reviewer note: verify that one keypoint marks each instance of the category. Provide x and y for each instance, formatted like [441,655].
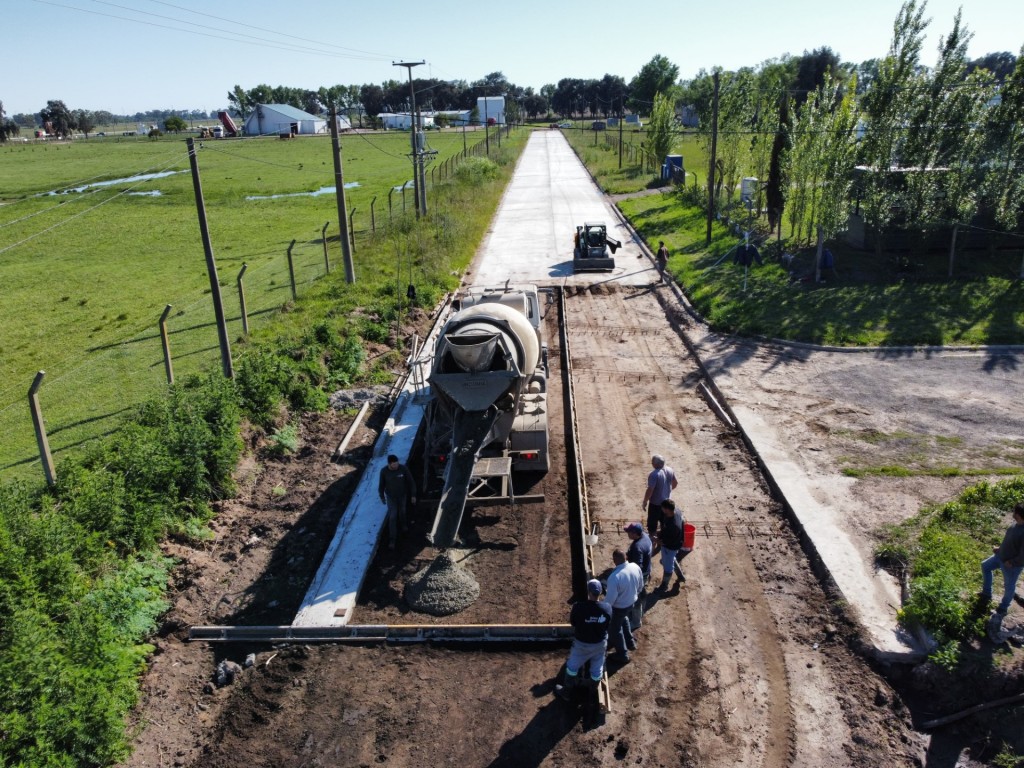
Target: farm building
[491,109]
[456,117]
[270,119]
[400,121]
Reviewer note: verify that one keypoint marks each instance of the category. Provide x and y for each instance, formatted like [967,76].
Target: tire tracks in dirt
[710,654]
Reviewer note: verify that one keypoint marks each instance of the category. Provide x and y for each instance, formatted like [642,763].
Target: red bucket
[689,534]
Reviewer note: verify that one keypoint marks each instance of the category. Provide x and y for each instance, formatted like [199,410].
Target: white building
[276,119]
[401,121]
[491,109]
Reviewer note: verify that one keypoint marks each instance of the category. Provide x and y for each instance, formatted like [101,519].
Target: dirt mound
[442,588]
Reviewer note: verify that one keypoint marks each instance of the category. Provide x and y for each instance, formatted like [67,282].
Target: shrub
[474,171]
[285,440]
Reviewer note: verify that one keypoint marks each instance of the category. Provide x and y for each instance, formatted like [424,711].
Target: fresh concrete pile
[442,588]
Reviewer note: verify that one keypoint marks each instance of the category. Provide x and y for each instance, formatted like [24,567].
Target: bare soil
[750,662]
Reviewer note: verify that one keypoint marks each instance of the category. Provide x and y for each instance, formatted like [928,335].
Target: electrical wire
[271,31]
[263,43]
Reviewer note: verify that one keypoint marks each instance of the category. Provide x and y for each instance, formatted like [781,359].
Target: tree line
[902,144]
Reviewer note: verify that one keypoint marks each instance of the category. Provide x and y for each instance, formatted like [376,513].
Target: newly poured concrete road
[531,237]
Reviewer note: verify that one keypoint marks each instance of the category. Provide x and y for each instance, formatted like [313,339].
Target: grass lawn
[87,274]
[865,301]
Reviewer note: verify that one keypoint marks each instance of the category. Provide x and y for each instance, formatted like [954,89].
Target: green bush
[475,171]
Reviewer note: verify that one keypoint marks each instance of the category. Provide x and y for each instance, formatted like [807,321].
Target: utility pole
[211,265]
[412,132]
[339,195]
[711,171]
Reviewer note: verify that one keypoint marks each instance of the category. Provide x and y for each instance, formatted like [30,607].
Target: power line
[383,57]
[264,43]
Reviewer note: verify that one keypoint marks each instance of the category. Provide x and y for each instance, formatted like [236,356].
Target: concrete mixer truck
[488,397]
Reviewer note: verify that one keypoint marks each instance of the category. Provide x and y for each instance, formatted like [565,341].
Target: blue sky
[134,55]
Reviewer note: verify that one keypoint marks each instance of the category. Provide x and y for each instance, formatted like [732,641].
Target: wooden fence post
[37,421]
[323,239]
[168,366]
[241,300]
[291,271]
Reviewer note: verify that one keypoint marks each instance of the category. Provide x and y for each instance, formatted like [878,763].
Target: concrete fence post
[241,299]
[323,239]
[37,421]
[352,230]
[168,366]
[291,271]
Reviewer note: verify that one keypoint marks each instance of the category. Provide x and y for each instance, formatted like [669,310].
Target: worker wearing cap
[624,585]
[640,552]
[660,483]
[590,620]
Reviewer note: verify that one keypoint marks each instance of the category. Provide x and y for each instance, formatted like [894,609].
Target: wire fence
[86,396]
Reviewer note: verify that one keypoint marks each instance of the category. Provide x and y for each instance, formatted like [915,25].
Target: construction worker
[396,487]
[590,621]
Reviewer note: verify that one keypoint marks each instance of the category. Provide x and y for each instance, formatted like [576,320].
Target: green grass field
[894,298]
[87,274]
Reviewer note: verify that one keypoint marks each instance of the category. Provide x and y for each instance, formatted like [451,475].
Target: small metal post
[390,204]
[403,198]
[351,229]
[291,270]
[323,239]
[37,421]
[373,217]
[168,367]
[241,300]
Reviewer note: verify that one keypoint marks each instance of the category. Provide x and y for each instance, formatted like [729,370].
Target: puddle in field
[125,180]
[151,193]
[322,191]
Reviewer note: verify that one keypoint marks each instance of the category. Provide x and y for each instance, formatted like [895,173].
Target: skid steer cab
[592,248]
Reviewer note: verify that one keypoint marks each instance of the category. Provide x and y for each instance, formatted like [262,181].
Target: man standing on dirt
[590,620]
[624,585]
[660,484]
[671,538]
[1009,558]
[662,261]
[396,487]
[640,552]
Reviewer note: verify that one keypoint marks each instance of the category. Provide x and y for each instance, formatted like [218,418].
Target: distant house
[274,119]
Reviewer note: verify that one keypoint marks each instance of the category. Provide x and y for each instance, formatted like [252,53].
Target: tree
[1001,65]
[659,75]
[811,69]
[886,109]
[372,99]
[175,124]
[1004,182]
[776,186]
[57,118]
[84,121]
[8,127]
[947,137]
[660,137]
[239,99]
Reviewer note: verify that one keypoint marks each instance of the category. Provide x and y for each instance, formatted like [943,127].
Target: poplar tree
[887,108]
